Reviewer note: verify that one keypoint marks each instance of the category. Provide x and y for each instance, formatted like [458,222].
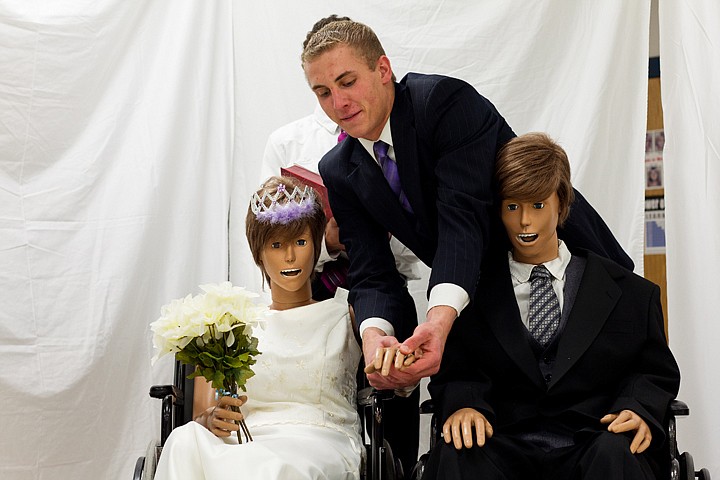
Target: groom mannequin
[588,397]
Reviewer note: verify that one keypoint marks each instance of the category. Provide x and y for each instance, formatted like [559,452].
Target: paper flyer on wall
[654,225]
[654,145]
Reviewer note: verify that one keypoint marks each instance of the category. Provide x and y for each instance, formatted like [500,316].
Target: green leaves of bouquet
[222,358]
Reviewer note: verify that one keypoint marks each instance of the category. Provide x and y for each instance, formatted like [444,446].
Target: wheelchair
[176,410]
[680,466]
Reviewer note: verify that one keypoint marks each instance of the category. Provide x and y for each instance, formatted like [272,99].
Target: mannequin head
[533,182]
[284,210]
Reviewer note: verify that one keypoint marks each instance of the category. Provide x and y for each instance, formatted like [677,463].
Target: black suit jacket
[612,355]
[446,136]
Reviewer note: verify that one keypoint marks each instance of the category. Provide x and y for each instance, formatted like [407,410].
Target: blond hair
[359,36]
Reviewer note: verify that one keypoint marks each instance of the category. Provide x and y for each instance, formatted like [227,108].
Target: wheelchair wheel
[687,467]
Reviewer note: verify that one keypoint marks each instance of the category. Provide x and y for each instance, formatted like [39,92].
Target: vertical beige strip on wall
[655,263]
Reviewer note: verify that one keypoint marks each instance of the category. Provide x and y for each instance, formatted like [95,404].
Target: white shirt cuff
[377,322]
[450,295]
[325,256]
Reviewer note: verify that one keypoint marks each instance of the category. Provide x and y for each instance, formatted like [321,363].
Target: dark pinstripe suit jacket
[445,137]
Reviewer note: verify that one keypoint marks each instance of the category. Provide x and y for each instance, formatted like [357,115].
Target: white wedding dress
[300,408]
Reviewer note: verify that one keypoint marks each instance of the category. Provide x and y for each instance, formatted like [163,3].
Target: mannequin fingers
[409,360]
[609,418]
[228,415]
[457,435]
[446,434]
[379,354]
[228,401]
[387,360]
[467,432]
[488,429]
[221,428]
[642,439]
[399,359]
[644,444]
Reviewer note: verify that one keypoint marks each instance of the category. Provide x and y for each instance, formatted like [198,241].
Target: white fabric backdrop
[690,73]
[115,146]
[121,121]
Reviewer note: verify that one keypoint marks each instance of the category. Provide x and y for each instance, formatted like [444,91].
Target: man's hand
[429,338]
[419,356]
[458,428]
[332,237]
[380,352]
[629,421]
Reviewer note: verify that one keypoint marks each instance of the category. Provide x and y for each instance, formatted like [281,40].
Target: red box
[311,179]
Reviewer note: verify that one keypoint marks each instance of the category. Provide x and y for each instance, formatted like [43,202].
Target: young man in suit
[438,137]
[563,371]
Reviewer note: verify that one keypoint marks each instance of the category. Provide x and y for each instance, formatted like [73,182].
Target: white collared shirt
[385,136]
[520,273]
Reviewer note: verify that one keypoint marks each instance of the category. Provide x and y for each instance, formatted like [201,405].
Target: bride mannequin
[300,405]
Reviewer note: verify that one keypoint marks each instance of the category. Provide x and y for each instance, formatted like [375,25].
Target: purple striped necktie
[390,170]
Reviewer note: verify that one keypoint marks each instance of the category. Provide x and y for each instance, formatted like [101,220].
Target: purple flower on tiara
[285,213]
[298,204]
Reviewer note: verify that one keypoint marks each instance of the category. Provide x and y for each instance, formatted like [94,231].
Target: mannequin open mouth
[527,237]
[291,273]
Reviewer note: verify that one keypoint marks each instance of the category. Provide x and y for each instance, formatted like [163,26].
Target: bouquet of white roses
[212,331]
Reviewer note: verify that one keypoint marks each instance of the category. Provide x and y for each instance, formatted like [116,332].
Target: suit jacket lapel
[372,189]
[405,138]
[500,308]
[597,296]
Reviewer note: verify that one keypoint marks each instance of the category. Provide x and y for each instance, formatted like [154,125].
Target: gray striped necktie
[544,313]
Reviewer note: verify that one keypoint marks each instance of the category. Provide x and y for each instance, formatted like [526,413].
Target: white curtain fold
[690,75]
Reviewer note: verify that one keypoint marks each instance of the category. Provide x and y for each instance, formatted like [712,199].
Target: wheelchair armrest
[172,401]
[428,406]
[679,408]
[366,395]
[162,391]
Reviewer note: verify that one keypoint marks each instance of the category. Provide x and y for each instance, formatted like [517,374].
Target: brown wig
[532,167]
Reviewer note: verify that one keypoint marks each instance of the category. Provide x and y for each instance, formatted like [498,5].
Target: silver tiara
[283,207]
